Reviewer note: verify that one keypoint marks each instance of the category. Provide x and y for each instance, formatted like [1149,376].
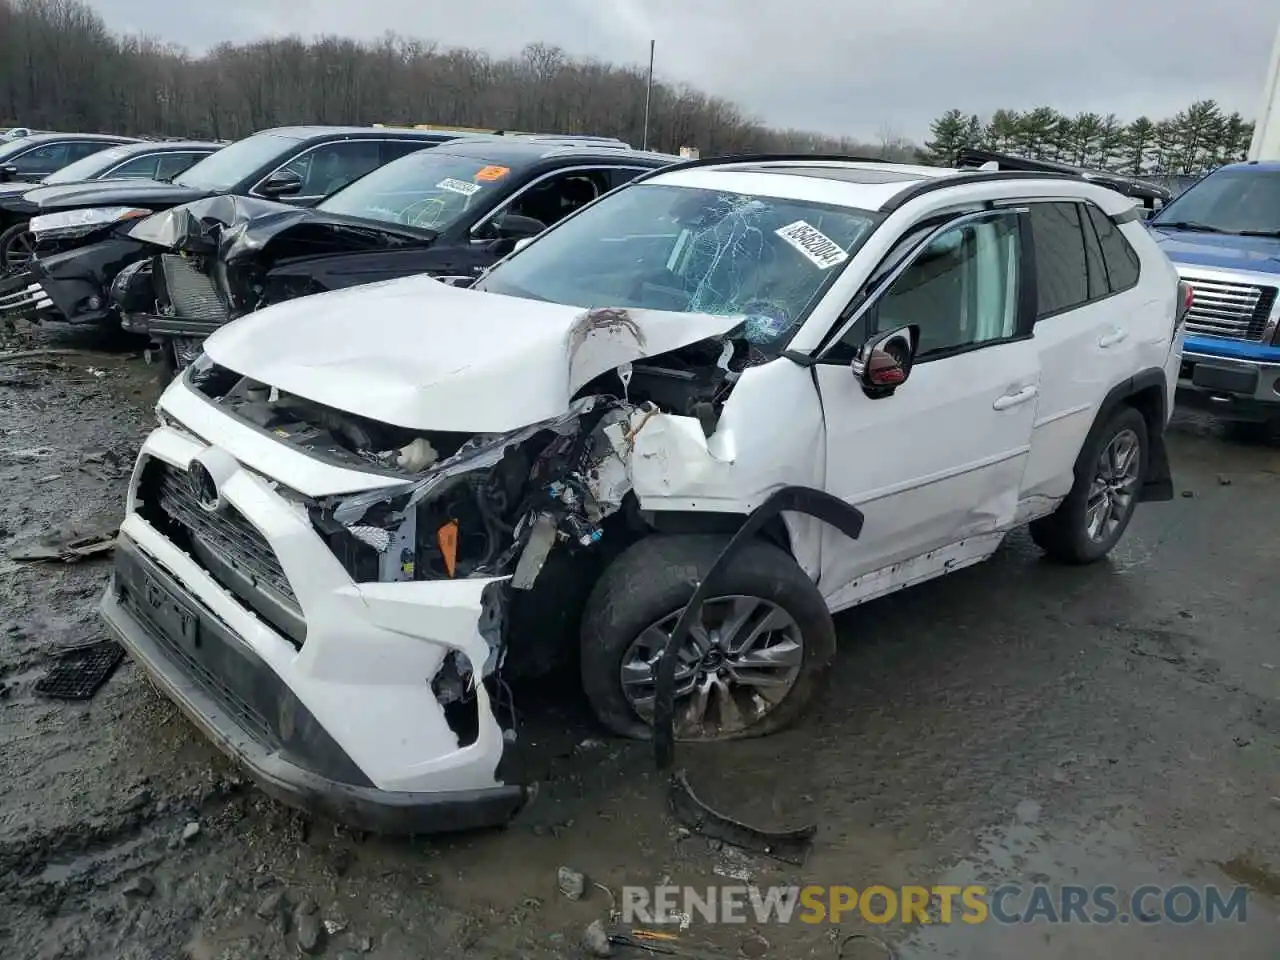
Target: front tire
[17,246]
[752,667]
[1096,513]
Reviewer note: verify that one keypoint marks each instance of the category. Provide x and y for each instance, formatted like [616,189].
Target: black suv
[31,158]
[452,211]
[162,160]
[295,165]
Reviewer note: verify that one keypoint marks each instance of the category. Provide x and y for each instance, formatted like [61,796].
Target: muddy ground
[1015,722]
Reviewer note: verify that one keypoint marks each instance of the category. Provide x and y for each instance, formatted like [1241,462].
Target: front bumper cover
[21,296]
[240,704]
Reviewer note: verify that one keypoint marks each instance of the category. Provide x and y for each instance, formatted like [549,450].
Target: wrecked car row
[363,510]
[260,235]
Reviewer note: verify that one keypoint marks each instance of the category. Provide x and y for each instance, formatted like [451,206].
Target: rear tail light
[1186,297]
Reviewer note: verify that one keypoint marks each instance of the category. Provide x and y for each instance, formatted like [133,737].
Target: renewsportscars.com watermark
[877,904]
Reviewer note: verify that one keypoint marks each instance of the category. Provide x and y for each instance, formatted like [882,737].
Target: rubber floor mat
[80,672]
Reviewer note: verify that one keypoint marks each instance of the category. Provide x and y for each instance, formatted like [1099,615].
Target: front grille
[224,543]
[191,293]
[1238,311]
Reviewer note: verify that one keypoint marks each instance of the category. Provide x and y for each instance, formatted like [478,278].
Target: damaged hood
[421,354]
[111,193]
[235,227]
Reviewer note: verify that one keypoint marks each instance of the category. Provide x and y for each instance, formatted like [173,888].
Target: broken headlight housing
[472,514]
[72,224]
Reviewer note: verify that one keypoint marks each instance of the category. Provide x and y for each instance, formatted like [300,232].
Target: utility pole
[1266,131]
[648,95]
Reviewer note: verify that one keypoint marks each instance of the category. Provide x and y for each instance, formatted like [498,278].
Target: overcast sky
[838,66]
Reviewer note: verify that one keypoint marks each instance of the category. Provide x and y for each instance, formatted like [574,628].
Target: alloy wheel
[735,667]
[1114,486]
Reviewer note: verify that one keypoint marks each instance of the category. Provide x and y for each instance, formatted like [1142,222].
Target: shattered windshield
[692,250]
[223,170]
[430,190]
[1231,201]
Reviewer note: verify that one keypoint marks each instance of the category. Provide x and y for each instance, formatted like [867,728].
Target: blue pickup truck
[1223,235]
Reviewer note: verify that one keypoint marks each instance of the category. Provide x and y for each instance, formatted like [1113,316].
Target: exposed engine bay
[487,505]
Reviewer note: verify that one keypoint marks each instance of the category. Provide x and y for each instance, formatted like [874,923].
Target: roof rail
[969,157]
[571,140]
[756,158]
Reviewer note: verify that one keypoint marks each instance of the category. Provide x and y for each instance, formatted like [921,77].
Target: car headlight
[78,223]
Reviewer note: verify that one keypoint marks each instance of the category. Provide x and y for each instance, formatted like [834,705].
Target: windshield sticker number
[489,174]
[459,186]
[815,245]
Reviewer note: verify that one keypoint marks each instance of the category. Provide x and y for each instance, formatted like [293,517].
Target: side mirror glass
[884,362]
[282,183]
[515,227]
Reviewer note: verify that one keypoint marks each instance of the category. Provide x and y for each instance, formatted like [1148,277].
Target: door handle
[1013,399]
[1112,338]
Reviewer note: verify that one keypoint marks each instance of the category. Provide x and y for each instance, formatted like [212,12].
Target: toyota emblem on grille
[202,486]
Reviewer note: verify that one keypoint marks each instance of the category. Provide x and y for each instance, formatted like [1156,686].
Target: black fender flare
[1152,387]
[843,516]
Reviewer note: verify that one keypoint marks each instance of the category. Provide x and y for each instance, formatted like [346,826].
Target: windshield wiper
[1193,225]
[1258,233]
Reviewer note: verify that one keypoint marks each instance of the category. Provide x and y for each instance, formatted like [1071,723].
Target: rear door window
[1120,258]
[1062,273]
[138,167]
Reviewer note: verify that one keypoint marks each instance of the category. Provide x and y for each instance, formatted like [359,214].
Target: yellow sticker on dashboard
[491,173]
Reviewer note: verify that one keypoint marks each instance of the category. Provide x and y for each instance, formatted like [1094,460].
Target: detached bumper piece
[248,712]
[21,296]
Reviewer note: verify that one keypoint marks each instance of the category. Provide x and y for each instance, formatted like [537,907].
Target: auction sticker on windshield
[491,173]
[815,245]
[459,186]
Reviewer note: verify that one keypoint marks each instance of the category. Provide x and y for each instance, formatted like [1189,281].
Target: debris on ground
[190,832]
[789,846]
[272,905]
[140,888]
[595,940]
[69,545]
[310,932]
[81,670]
[572,883]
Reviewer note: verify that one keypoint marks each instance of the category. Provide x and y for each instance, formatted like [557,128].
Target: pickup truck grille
[1238,311]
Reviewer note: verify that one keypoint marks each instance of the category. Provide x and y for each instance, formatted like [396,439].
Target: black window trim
[155,154]
[582,166]
[307,148]
[1027,290]
[1084,214]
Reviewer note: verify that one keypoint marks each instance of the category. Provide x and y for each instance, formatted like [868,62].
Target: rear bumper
[209,673]
[1232,387]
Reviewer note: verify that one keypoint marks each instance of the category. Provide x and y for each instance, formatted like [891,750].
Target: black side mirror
[7,173]
[282,183]
[513,226]
[884,362]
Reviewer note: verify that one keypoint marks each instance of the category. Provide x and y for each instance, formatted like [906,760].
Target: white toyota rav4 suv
[363,510]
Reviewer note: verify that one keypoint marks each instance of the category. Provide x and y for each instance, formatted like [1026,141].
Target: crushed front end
[339,692]
[330,598]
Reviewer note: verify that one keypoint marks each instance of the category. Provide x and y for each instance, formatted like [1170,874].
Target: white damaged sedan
[362,510]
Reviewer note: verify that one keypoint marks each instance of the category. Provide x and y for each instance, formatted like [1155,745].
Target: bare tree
[61,68]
